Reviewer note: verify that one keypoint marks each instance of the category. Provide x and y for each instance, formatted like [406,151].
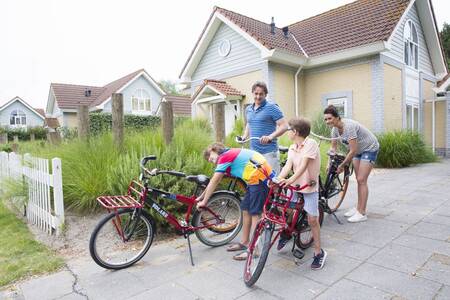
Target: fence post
[219,121]
[83,122]
[58,194]
[32,137]
[3,138]
[167,121]
[117,119]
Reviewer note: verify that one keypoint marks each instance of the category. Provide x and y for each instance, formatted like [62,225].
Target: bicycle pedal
[299,254]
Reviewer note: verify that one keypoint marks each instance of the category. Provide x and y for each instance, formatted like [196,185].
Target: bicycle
[274,219]
[125,235]
[332,191]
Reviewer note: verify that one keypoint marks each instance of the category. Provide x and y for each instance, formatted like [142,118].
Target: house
[378,61]
[141,96]
[16,113]
[181,105]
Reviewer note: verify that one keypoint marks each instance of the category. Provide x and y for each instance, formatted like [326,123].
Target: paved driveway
[401,252]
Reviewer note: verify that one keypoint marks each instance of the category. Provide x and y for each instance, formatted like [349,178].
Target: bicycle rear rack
[132,200]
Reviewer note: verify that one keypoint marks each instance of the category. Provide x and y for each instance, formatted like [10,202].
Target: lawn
[20,254]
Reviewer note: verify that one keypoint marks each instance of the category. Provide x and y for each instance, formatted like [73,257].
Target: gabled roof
[70,96]
[39,112]
[261,32]
[219,86]
[358,23]
[181,105]
[361,28]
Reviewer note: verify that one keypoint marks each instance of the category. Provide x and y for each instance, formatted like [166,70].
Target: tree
[445,36]
[170,87]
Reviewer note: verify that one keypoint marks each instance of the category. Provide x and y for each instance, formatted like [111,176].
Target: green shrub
[403,148]
[238,130]
[102,122]
[6,148]
[319,127]
[24,133]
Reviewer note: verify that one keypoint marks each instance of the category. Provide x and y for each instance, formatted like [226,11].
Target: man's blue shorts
[255,198]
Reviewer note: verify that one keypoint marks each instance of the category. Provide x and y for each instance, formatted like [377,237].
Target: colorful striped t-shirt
[236,162]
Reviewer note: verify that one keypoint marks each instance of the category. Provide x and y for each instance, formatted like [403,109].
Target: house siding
[353,77]
[32,118]
[393,98]
[284,88]
[128,92]
[242,53]
[397,42]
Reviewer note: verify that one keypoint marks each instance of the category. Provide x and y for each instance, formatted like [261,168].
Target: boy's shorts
[255,197]
[311,203]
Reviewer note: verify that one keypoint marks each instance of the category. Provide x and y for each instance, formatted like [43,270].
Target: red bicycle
[125,235]
[275,219]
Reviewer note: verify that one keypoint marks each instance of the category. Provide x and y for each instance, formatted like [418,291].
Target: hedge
[24,134]
[101,122]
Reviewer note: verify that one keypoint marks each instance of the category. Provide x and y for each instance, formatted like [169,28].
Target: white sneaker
[357,217]
[350,212]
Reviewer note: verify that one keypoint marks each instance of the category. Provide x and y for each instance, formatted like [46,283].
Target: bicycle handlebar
[155,172]
[239,139]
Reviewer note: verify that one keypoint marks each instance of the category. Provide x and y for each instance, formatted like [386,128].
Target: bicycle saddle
[199,179]
[283,149]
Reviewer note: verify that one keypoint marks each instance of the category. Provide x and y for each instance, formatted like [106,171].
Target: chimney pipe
[285,31]
[87,93]
[272,26]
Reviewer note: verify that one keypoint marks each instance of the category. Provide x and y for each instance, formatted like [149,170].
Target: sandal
[236,247]
[241,256]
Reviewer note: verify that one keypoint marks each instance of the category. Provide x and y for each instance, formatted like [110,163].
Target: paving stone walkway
[401,252]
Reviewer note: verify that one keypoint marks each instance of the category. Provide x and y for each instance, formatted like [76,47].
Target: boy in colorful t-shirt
[238,163]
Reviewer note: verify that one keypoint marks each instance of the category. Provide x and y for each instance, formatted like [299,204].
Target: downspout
[296,90]
[296,75]
[433,124]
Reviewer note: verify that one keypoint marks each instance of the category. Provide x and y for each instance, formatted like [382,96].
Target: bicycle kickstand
[190,249]
[337,219]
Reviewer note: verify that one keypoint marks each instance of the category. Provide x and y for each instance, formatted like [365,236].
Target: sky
[94,42]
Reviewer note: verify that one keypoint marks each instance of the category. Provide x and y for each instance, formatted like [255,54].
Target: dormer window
[411,45]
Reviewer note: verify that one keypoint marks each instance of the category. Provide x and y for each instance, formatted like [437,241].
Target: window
[412,116]
[340,104]
[140,101]
[18,118]
[411,45]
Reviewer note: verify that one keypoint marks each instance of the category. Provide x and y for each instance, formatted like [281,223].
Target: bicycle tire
[268,229]
[219,230]
[306,244]
[92,242]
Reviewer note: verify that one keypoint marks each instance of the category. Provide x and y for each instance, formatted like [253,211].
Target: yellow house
[378,61]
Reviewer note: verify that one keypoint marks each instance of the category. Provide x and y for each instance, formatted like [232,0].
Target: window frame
[141,99]
[411,47]
[19,118]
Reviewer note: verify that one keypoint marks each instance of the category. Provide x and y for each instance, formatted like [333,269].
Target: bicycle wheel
[258,251]
[304,239]
[338,190]
[226,207]
[119,241]
[234,184]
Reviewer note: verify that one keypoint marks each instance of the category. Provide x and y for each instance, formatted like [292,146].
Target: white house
[141,94]
[16,113]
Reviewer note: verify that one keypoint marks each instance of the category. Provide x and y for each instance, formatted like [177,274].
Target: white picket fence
[45,205]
